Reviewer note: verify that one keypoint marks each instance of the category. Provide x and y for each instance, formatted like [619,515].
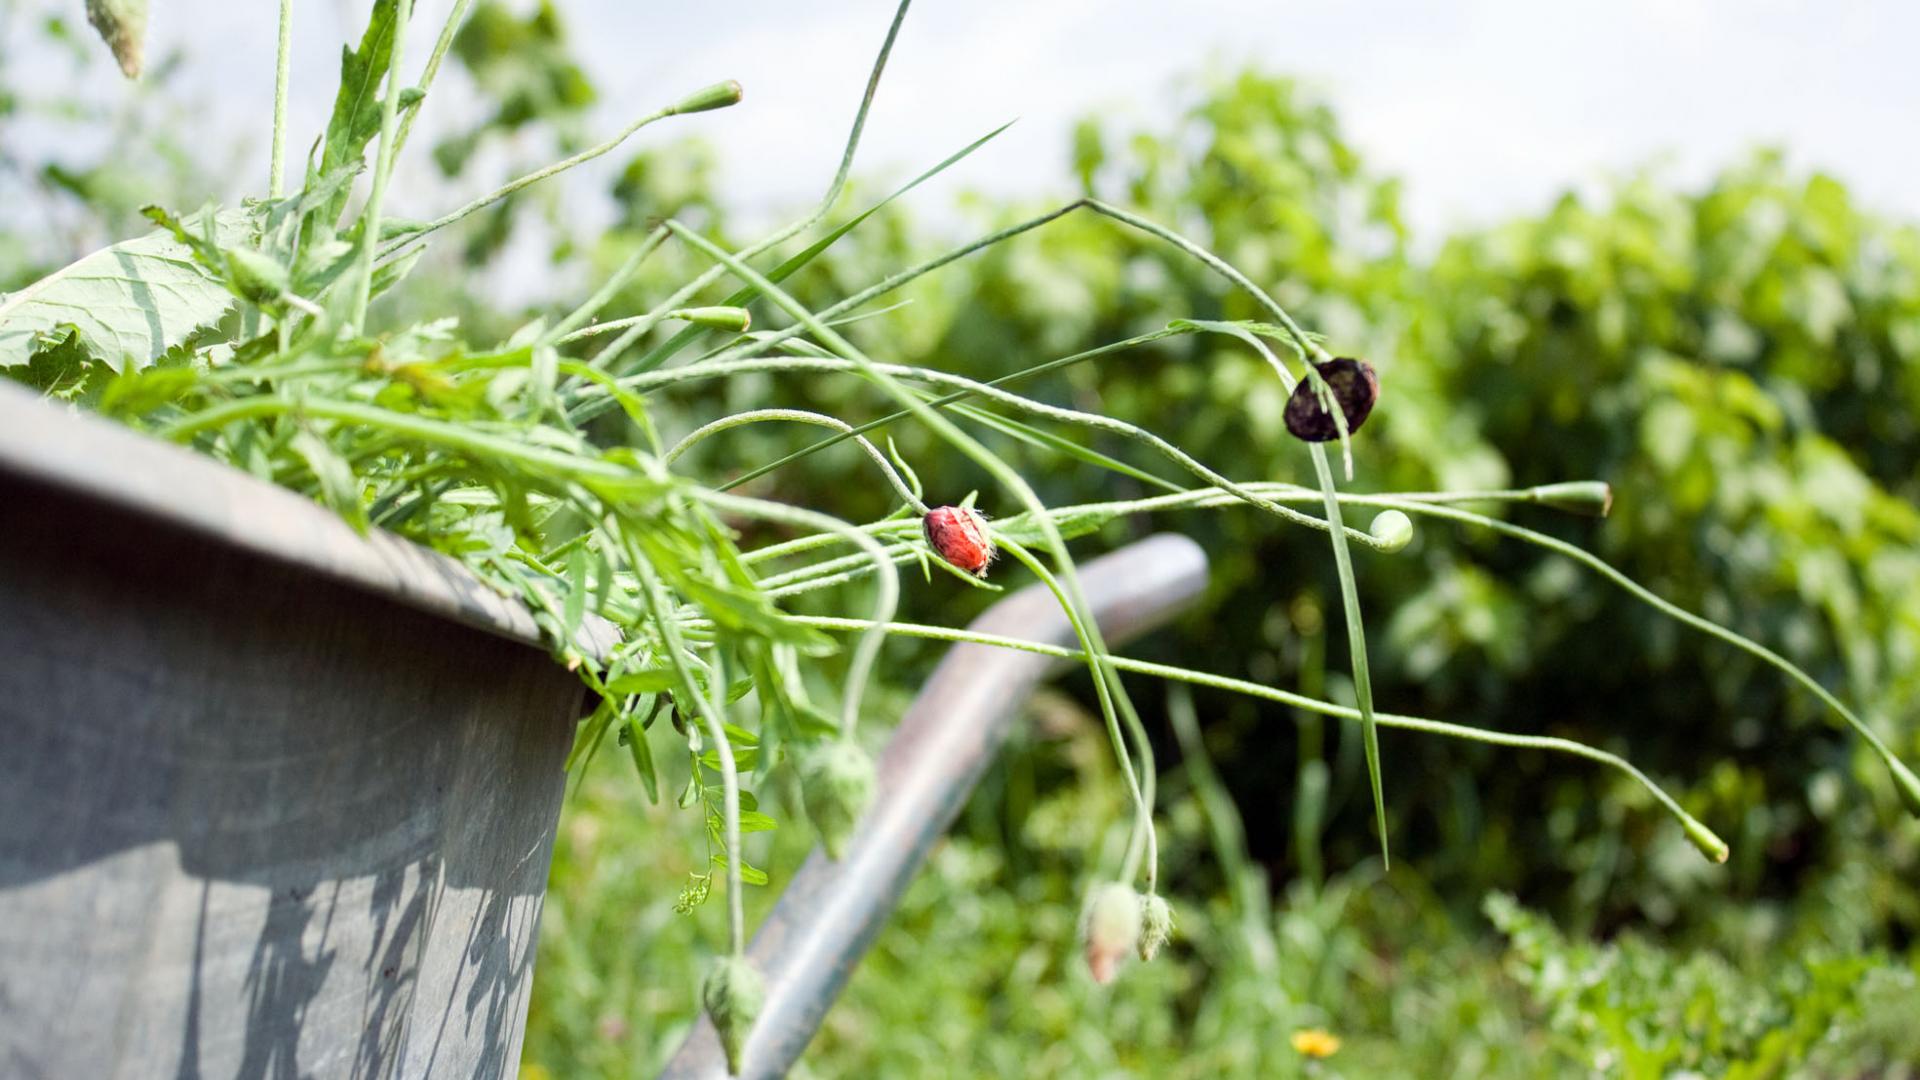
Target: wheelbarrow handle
[831,911]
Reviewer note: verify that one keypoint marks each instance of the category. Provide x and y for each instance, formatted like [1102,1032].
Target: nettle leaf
[356,108]
[62,369]
[128,303]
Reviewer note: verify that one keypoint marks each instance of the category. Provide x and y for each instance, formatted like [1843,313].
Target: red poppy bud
[958,534]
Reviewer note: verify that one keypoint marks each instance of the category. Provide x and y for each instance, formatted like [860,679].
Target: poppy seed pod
[1355,389]
[1392,530]
[958,534]
[836,785]
[1156,925]
[734,994]
[1110,929]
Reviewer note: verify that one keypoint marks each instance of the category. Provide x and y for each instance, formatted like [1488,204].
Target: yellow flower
[1315,1043]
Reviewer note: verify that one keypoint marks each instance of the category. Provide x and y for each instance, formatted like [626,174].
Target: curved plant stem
[516,184]
[1053,412]
[949,399]
[1704,838]
[802,416]
[1905,782]
[1143,831]
[837,185]
[887,580]
[1342,559]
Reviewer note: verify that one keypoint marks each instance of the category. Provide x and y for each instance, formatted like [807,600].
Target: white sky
[1486,107]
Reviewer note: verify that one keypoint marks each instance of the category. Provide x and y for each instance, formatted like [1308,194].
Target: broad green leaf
[129,303]
[356,107]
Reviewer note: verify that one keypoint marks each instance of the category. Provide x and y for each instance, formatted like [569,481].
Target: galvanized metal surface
[831,911]
[275,799]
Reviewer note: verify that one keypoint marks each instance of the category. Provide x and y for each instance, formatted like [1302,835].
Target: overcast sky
[1485,107]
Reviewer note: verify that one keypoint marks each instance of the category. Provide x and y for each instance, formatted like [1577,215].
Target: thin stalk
[382,170]
[282,75]
[514,185]
[1704,838]
[940,378]
[953,398]
[1904,779]
[1143,831]
[1343,561]
[710,714]
[447,31]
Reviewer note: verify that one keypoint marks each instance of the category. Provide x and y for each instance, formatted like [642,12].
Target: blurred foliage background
[1740,360]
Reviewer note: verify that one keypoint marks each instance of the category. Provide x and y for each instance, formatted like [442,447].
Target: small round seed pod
[1355,389]
[958,534]
[1110,929]
[836,786]
[1393,531]
[1156,925]
[734,994]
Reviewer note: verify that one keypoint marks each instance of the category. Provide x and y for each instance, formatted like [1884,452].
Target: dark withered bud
[1156,925]
[1355,389]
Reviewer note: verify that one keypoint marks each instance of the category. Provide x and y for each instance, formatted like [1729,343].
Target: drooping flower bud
[122,24]
[718,96]
[1705,839]
[1110,929]
[1592,498]
[836,785]
[1355,388]
[1156,925]
[734,993]
[1392,530]
[959,535]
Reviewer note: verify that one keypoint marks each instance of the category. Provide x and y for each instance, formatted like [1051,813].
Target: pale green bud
[734,994]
